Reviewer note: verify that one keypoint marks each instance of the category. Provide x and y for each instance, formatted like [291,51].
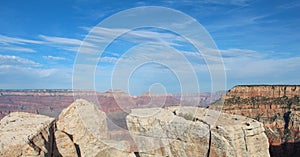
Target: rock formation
[81,130]
[87,126]
[190,131]
[25,134]
[277,107]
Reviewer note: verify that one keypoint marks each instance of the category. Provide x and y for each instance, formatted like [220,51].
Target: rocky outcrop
[190,131]
[277,107]
[25,134]
[87,127]
[271,91]
[172,131]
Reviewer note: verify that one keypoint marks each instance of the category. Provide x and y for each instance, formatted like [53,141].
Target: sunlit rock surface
[25,134]
[191,131]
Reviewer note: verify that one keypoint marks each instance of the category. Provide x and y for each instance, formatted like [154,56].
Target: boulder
[158,132]
[230,135]
[191,131]
[26,134]
[87,126]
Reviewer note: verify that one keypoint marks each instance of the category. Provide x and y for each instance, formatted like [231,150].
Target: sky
[56,45]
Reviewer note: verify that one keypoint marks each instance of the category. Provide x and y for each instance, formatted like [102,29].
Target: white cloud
[13,40]
[54,58]
[6,60]
[101,34]
[18,77]
[235,52]
[69,44]
[16,44]
[16,48]
[109,59]
[19,73]
[60,40]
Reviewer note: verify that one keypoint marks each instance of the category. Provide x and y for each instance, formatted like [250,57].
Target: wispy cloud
[102,34]
[239,22]
[108,59]
[289,5]
[19,73]
[17,44]
[60,40]
[54,58]
[18,77]
[229,2]
[217,2]
[16,48]
[12,40]
[69,44]
[25,45]
[6,60]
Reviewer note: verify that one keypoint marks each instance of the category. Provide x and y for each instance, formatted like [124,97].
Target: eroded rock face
[88,128]
[25,134]
[191,131]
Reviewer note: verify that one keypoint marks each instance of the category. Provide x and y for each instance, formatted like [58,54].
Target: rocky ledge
[81,130]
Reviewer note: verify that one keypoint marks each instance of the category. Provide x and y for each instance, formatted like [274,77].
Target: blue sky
[39,41]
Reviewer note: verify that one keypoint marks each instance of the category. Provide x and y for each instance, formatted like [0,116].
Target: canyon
[277,107]
[51,102]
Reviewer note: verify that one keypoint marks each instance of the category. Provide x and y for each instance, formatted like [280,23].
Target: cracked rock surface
[87,127]
[25,134]
[191,131]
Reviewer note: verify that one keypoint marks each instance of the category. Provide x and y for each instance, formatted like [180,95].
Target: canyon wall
[52,102]
[277,107]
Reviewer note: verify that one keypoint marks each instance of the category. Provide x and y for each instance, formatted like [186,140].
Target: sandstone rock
[25,134]
[191,131]
[274,91]
[231,135]
[65,145]
[88,128]
[158,132]
[81,117]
